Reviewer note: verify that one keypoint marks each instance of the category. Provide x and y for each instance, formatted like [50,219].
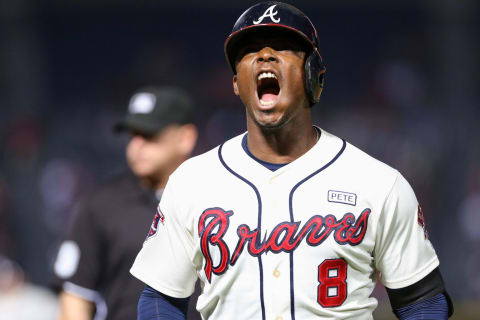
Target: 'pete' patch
[342,197]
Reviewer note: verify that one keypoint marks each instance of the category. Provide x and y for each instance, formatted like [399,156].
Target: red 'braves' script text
[285,237]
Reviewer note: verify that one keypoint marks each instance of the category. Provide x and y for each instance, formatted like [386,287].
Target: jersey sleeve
[164,262]
[79,258]
[403,253]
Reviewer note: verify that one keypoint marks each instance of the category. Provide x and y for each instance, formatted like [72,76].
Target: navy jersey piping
[259,199]
[270,166]
[290,203]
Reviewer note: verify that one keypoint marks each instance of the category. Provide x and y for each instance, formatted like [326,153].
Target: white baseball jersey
[306,241]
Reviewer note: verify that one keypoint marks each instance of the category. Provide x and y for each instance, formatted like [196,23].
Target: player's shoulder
[364,174]
[196,165]
[356,163]
[367,162]
[205,164]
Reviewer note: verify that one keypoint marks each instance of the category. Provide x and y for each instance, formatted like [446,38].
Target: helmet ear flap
[314,76]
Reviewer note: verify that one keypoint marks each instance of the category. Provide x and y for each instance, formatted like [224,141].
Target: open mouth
[268,88]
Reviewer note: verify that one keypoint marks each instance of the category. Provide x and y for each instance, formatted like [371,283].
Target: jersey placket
[276,269]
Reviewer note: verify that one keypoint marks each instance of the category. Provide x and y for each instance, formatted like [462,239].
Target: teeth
[266,103]
[266,75]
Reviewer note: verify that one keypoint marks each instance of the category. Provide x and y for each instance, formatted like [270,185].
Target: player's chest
[280,217]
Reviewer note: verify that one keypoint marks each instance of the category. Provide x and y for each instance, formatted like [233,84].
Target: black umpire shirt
[106,235]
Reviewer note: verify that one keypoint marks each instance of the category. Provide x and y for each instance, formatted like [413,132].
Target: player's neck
[283,145]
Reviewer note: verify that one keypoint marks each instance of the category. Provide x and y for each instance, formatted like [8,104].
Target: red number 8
[332,275]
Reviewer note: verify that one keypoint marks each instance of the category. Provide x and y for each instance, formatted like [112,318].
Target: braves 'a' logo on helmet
[268,13]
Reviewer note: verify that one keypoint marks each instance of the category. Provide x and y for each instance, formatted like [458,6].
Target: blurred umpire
[91,270]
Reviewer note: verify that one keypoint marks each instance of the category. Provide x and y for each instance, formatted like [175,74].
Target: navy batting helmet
[273,14]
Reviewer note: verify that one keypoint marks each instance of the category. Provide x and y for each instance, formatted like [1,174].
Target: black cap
[153,108]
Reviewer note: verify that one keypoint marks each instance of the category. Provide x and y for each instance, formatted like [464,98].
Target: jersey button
[278,318]
[276,273]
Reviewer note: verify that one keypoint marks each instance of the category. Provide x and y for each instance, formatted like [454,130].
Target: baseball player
[286,221]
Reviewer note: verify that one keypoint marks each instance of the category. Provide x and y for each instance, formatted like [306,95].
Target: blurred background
[402,83]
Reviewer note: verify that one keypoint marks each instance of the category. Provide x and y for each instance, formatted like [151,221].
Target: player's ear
[235,85]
